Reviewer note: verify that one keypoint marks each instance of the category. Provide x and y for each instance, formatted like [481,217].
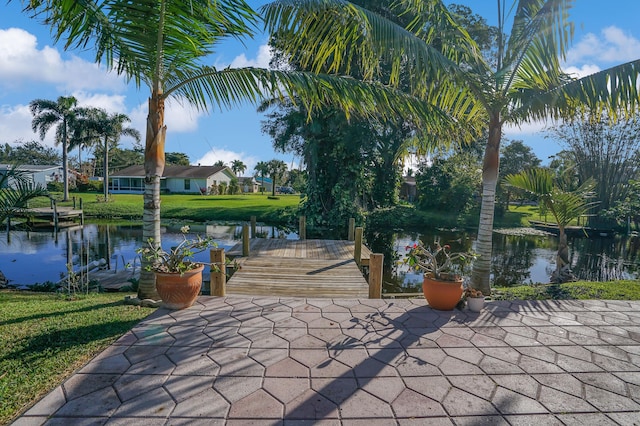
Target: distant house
[37,174]
[264,184]
[175,179]
[408,189]
[248,184]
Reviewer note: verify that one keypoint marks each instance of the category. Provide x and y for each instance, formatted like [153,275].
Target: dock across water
[300,268]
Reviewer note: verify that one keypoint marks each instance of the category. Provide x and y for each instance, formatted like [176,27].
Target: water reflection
[516,259]
[37,257]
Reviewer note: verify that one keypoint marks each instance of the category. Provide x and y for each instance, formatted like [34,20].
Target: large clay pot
[441,294]
[179,291]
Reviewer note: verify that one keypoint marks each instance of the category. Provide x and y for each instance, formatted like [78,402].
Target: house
[175,179]
[408,189]
[37,174]
[248,184]
[264,184]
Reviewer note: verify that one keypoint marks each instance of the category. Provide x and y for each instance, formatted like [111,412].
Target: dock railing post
[55,216]
[302,232]
[245,240]
[375,275]
[80,203]
[352,229]
[74,202]
[218,272]
[253,226]
[357,249]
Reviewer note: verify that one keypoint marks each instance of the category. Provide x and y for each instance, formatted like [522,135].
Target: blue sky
[31,67]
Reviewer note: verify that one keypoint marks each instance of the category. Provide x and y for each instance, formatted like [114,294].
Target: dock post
[302,232]
[55,216]
[352,229]
[80,203]
[74,202]
[357,249]
[375,275]
[218,272]
[253,226]
[245,240]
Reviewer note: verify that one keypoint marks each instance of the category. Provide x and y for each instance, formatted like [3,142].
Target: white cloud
[583,71]
[227,156]
[260,61]
[22,63]
[524,129]
[15,124]
[611,46]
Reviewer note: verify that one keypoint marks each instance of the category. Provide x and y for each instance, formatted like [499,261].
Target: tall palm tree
[16,189]
[163,44]
[61,113]
[261,169]
[277,169]
[107,128]
[563,205]
[523,82]
[238,167]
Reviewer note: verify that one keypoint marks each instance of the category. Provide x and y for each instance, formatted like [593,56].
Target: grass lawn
[199,208]
[46,337]
[613,290]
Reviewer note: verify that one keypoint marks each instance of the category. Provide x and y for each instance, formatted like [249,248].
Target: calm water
[38,257]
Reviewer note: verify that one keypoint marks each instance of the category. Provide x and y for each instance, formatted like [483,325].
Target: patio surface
[265,361]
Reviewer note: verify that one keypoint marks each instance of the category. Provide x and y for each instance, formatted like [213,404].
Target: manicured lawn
[45,338]
[199,208]
[614,290]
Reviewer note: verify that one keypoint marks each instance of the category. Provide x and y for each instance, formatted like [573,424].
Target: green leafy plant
[437,262]
[180,258]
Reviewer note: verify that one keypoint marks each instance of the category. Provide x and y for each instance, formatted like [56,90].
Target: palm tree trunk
[105,173]
[154,167]
[480,276]
[65,163]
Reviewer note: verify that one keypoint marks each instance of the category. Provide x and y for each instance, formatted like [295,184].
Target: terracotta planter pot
[179,291]
[475,304]
[440,294]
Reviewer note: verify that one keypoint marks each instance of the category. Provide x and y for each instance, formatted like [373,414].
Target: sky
[32,67]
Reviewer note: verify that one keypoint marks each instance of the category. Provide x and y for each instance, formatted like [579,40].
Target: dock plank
[302,268]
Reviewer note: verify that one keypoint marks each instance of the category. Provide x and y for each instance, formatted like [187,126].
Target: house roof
[171,171]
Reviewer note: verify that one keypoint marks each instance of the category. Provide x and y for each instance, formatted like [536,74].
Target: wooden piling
[352,229]
[302,231]
[357,249]
[218,272]
[245,240]
[375,275]
[253,226]
[55,216]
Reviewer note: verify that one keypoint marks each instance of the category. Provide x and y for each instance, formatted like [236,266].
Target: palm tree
[163,45]
[521,83]
[238,167]
[108,128]
[16,189]
[563,205]
[61,113]
[261,169]
[277,169]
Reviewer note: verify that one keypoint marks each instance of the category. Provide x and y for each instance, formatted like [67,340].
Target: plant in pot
[442,286]
[475,299]
[178,276]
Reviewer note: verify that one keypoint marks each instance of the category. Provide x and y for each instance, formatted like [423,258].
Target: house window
[187,184]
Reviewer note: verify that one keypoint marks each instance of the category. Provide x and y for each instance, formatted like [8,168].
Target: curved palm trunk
[65,163]
[105,174]
[480,276]
[563,273]
[153,167]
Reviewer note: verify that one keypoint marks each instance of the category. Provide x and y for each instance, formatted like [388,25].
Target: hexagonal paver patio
[269,361]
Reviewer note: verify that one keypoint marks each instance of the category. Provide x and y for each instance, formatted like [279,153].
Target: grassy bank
[200,208]
[613,290]
[45,338]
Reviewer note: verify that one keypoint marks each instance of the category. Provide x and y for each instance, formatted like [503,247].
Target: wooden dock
[59,216]
[301,268]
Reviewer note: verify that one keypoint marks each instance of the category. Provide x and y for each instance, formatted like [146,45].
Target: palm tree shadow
[388,337]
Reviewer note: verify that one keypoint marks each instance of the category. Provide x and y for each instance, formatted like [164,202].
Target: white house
[175,179]
[37,174]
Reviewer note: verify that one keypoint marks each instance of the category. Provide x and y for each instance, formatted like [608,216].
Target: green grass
[199,208]
[46,337]
[612,290]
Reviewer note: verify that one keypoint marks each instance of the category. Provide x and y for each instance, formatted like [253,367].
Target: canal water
[37,257]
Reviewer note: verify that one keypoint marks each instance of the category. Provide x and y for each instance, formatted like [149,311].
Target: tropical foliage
[16,190]
[519,81]
[563,205]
